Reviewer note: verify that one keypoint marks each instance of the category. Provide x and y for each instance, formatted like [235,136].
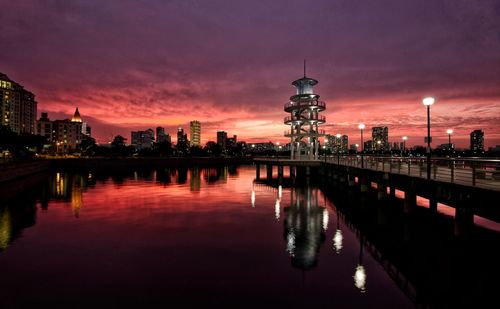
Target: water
[194,237]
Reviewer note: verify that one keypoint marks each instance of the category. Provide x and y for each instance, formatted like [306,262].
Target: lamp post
[338,147]
[428,101]
[404,145]
[361,127]
[449,132]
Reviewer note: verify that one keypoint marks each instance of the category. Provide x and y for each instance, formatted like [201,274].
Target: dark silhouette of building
[477,141]
[380,137]
[222,139]
[161,136]
[142,139]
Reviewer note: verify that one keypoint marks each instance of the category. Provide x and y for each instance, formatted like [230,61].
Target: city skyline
[369,71]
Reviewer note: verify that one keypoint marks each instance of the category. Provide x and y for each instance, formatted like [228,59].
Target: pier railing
[478,172]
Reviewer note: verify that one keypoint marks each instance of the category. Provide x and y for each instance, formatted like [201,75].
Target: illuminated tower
[304,108]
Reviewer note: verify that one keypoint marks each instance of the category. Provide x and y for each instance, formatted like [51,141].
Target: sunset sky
[132,65]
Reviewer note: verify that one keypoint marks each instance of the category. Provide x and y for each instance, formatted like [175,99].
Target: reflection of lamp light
[280,191]
[360,278]
[253,198]
[277,209]
[337,241]
[325,219]
[360,273]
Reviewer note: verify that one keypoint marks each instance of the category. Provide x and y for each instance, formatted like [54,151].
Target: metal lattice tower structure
[304,120]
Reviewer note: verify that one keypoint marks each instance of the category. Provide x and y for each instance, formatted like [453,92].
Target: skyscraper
[195,132]
[17,106]
[222,139]
[380,134]
[477,141]
[142,139]
[161,136]
[344,144]
[181,137]
[64,135]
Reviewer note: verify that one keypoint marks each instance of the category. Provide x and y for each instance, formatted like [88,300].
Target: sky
[134,65]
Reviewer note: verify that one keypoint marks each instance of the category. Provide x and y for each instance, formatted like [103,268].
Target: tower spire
[304,67]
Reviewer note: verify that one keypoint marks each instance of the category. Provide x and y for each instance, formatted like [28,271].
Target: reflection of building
[76,196]
[17,106]
[13,219]
[195,132]
[214,174]
[477,141]
[305,225]
[194,179]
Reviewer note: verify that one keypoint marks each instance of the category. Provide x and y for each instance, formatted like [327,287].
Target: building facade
[142,139]
[222,139]
[181,137]
[195,133]
[161,136]
[63,135]
[477,141]
[380,138]
[18,107]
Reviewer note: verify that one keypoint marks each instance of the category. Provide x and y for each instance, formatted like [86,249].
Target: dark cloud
[130,61]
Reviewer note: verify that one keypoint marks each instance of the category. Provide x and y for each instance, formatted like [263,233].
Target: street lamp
[428,101]
[449,132]
[361,127]
[404,144]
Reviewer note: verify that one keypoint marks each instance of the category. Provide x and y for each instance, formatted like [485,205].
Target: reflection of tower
[305,225]
[304,109]
[194,179]
[76,196]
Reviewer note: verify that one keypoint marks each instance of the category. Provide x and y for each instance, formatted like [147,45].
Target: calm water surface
[187,238]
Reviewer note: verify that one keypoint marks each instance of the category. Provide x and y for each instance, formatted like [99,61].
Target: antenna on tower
[304,67]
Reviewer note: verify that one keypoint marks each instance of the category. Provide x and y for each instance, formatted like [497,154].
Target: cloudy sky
[132,65]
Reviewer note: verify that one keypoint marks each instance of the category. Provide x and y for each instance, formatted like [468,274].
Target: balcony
[304,119]
[320,105]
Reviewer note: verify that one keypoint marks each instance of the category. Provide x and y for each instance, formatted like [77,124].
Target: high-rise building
[368,145]
[231,141]
[222,139]
[195,132]
[181,137]
[380,137]
[142,139]
[477,141]
[161,136]
[344,144]
[44,127]
[17,106]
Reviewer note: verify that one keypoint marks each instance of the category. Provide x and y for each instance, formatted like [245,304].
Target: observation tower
[304,120]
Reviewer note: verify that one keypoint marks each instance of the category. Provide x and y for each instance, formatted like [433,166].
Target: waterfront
[194,236]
